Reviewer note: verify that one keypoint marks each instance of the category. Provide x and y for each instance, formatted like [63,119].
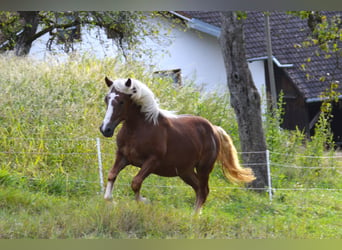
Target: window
[174,75]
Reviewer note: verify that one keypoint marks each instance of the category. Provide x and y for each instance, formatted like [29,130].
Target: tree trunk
[30,22]
[244,96]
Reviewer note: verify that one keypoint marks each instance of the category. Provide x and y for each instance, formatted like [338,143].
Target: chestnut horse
[160,142]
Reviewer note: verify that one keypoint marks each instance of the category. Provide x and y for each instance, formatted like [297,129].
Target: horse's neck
[136,119]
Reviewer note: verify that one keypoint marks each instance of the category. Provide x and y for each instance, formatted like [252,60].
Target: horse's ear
[128,83]
[108,82]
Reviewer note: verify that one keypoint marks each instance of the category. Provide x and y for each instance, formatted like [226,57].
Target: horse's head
[117,106]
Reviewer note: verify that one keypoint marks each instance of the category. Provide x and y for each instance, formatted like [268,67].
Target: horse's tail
[228,157]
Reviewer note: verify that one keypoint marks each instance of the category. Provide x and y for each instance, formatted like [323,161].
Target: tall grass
[50,114]
[316,166]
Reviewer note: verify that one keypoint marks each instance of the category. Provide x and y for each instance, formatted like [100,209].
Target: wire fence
[95,152]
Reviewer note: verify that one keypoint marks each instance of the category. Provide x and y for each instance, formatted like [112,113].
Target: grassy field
[49,182]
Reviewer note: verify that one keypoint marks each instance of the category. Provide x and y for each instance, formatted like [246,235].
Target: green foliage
[325,37]
[278,139]
[274,135]
[323,135]
[129,30]
[49,184]
[9,26]
[241,15]
[326,31]
[299,162]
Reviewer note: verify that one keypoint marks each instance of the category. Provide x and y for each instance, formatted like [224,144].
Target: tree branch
[55,26]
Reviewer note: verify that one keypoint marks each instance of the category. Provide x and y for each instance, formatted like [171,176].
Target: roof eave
[199,25]
[204,27]
[318,99]
[275,60]
[176,13]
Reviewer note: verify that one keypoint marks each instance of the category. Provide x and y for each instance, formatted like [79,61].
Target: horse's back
[186,125]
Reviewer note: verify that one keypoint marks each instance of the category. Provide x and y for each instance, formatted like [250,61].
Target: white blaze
[110,110]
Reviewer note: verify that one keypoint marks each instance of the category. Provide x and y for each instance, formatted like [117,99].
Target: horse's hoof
[143,200]
[108,198]
[197,212]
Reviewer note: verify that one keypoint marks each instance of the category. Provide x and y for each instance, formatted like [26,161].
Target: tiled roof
[287,32]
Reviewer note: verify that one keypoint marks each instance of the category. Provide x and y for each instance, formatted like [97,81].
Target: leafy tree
[18,30]
[326,30]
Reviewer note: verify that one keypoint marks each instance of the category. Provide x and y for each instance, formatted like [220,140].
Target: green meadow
[49,178]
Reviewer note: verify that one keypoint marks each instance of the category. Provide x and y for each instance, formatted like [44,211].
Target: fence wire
[97,152]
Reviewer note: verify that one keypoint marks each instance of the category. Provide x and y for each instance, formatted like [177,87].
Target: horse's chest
[138,146]
[134,152]
[133,155]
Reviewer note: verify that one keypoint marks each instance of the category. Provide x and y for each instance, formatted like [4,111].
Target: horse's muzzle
[107,132]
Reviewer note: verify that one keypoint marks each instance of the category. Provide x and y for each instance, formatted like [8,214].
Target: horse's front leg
[120,163]
[146,169]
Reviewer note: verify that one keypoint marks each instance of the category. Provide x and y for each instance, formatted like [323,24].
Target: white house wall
[257,69]
[199,57]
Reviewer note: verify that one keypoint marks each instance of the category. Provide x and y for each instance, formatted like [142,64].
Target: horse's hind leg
[192,179]
[203,191]
[203,172]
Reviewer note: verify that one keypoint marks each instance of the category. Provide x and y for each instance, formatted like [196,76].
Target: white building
[194,53]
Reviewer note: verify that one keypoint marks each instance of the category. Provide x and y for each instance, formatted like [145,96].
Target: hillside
[49,177]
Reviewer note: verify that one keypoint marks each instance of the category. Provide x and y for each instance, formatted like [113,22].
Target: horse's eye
[121,102]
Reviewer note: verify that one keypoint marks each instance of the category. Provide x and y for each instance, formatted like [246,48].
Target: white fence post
[98,144]
[269,174]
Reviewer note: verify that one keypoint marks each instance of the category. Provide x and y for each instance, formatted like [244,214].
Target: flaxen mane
[144,97]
